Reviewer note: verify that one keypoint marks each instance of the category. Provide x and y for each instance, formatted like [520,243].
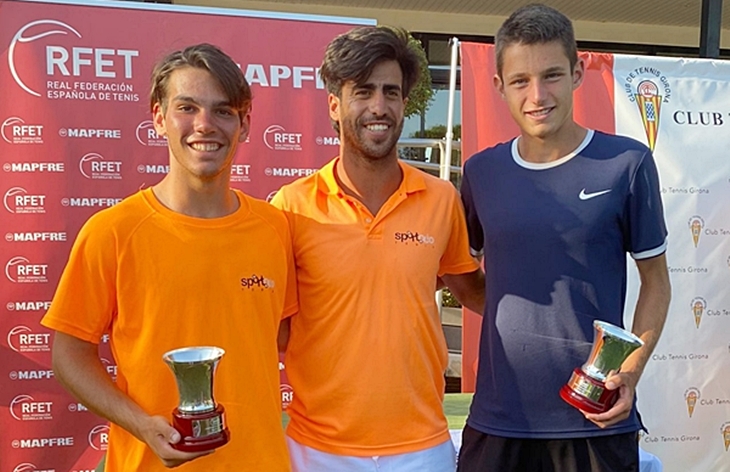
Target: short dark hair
[202,56]
[536,24]
[354,55]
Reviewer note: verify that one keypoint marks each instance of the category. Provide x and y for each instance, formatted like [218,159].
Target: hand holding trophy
[199,420]
[586,389]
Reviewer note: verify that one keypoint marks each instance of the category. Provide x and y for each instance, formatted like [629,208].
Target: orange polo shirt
[159,280]
[367,354]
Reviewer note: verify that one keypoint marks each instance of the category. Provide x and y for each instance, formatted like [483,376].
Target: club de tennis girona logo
[696,223]
[649,89]
[725,431]
[698,308]
[19,38]
[690,398]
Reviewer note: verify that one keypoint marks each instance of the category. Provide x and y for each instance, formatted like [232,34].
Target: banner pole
[445,163]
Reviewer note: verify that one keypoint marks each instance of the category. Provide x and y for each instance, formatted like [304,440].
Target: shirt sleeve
[474,226]
[647,231]
[456,258]
[85,300]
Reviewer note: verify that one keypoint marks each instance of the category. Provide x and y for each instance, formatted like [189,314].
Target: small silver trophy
[200,421]
[586,389]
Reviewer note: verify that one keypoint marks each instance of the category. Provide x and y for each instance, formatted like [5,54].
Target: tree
[422,93]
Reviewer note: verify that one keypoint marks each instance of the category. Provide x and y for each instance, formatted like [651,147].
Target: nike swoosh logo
[587,196]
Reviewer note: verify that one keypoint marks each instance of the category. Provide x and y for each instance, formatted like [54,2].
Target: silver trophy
[200,421]
[586,389]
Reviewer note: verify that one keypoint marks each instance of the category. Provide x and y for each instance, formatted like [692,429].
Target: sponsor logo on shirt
[410,237]
[257,282]
[583,195]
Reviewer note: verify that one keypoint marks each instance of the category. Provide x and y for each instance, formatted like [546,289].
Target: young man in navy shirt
[554,213]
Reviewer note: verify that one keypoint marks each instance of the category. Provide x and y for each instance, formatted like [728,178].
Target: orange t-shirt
[367,354]
[158,280]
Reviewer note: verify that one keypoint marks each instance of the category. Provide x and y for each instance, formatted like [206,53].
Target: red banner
[486,121]
[76,136]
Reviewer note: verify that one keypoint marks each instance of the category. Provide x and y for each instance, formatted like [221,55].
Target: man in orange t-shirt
[188,262]
[366,353]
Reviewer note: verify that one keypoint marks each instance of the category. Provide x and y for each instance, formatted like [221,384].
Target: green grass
[456,409]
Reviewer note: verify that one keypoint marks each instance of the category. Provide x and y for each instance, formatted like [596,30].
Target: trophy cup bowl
[586,389]
[199,420]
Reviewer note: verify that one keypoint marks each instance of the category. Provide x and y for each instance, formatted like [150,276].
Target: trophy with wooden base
[586,389]
[200,421]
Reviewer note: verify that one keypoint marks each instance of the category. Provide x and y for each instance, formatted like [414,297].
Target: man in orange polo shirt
[366,353]
[187,262]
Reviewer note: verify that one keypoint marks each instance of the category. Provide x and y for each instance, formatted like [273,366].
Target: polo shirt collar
[413,180]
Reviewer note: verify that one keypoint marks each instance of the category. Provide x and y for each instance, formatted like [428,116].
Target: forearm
[468,289]
[650,314]
[77,367]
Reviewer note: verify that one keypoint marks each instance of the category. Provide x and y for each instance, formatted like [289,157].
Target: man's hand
[160,436]
[625,382]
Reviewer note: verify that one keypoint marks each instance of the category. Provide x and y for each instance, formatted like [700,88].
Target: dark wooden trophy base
[587,394]
[201,431]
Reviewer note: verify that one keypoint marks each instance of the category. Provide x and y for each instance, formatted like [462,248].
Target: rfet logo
[28,467]
[18,200]
[110,367]
[147,136]
[23,339]
[698,308]
[691,397]
[19,269]
[26,408]
[94,166]
[99,437]
[62,62]
[287,395]
[277,138]
[14,130]
[240,173]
